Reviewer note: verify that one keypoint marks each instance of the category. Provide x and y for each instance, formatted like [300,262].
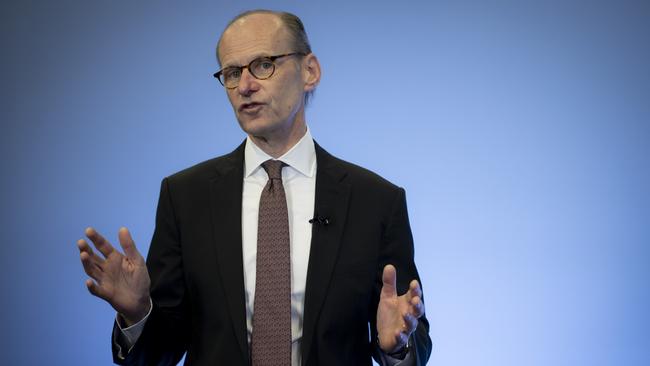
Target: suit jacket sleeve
[397,249]
[165,337]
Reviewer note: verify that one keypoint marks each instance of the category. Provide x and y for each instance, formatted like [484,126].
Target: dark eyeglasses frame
[217,74]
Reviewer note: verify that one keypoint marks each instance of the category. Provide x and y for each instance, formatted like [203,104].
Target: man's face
[264,108]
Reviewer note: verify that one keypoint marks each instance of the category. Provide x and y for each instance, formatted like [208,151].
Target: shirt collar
[301,157]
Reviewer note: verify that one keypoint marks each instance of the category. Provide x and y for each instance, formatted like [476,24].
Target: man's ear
[310,72]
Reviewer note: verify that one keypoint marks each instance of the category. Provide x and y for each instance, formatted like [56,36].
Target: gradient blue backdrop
[520,130]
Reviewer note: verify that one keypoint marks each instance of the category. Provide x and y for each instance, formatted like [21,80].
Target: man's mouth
[250,107]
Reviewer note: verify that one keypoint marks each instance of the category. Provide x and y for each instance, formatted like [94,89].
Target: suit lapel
[226,204]
[331,202]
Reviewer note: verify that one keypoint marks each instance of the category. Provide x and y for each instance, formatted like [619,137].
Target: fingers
[100,243]
[414,308]
[389,279]
[414,289]
[410,323]
[414,298]
[92,268]
[127,244]
[96,290]
[90,262]
[84,247]
[401,338]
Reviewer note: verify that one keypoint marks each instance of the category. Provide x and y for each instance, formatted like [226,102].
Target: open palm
[397,316]
[120,279]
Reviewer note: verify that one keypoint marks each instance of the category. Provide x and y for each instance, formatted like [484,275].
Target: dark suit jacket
[196,267]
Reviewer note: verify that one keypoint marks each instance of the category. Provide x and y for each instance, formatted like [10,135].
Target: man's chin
[254,127]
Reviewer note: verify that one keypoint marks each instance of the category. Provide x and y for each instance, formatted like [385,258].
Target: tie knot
[273,168]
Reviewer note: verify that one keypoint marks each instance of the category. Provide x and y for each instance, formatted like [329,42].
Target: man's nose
[247,83]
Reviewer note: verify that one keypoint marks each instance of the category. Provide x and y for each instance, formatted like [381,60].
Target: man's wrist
[399,353]
[132,319]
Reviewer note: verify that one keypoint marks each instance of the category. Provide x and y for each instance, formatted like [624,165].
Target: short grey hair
[293,24]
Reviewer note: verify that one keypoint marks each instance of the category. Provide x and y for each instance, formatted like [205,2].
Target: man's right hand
[121,280]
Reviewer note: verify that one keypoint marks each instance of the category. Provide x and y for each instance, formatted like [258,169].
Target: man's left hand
[397,316]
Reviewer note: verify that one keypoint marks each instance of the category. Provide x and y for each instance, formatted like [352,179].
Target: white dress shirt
[299,181]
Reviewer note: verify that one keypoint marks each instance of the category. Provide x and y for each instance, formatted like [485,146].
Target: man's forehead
[244,52]
[253,26]
[252,36]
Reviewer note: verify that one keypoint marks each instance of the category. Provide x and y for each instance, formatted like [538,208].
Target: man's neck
[277,146]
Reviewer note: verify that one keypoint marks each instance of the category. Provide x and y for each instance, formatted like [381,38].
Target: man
[275,254]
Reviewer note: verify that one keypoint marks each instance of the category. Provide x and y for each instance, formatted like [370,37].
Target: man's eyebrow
[254,57]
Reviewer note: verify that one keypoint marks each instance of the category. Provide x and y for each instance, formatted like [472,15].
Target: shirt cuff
[128,336]
[387,360]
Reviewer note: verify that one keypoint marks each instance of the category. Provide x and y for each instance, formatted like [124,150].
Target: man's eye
[232,74]
[266,64]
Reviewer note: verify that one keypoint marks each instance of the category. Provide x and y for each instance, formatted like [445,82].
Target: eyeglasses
[261,68]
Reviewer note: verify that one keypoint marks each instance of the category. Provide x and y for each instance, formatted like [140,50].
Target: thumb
[127,244]
[389,278]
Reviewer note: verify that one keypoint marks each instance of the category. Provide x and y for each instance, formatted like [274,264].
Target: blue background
[520,130]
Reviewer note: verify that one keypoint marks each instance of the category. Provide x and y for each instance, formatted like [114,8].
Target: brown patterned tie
[271,338]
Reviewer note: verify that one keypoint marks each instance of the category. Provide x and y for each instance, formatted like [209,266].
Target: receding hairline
[282,16]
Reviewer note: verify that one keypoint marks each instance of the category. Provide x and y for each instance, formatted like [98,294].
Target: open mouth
[250,107]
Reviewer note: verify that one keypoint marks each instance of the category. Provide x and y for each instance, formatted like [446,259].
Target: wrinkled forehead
[252,36]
